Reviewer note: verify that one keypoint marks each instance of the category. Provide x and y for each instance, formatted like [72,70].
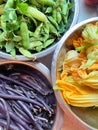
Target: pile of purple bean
[27,101]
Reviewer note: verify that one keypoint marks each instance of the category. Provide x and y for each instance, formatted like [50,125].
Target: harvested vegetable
[45,22]
[27,101]
[78,80]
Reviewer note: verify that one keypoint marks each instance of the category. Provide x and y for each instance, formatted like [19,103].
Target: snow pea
[24,34]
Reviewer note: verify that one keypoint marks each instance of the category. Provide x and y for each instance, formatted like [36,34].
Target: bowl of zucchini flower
[74,73]
[31,29]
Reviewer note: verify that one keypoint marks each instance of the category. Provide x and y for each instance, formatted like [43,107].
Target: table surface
[85,12]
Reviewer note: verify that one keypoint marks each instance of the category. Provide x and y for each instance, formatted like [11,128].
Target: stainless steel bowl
[52,47]
[85,117]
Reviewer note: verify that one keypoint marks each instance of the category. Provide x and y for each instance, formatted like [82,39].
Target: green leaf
[22,7]
[10,15]
[13,52]
[10,18]
[9,46]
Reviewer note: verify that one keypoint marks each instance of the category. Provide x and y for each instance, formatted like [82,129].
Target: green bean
[2,9]
[9,4]
[24,34]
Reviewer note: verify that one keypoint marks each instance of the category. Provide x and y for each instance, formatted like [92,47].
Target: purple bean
[6,96]
[3,123]
[10,90]
[34,84]
[15,118]
[21,113]
[41,118]
[23,106]
[7,113]
[42,101]
[21,127]
[14,81]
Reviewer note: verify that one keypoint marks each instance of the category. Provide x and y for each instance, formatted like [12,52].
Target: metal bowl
[7,67]
[74,17]
[85,117]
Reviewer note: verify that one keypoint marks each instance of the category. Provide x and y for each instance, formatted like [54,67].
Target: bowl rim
[48,50]
[64,106]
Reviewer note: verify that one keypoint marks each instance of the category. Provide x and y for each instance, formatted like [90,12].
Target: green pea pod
[38,30]
[46,28]
[52,20]
[24,34]
[26,53]
[64,8]
[48,42]
[39,48]
[35,44]
[46,2]
[59,17]
[30,12]
[3,23]
[53,30]
[54,13]
[34,3]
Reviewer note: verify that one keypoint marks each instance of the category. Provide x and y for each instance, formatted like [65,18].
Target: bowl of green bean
[31,29]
